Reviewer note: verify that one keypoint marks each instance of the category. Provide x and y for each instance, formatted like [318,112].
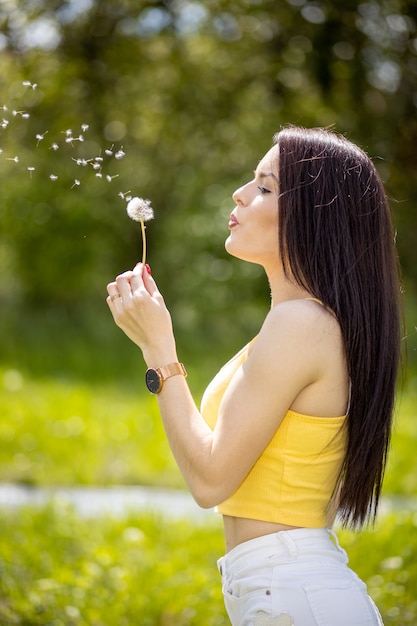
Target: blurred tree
[192,93]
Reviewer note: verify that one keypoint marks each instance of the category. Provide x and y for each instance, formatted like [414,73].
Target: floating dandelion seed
[27,83]
[15,159]
[140,210]
[40,137]
[23,114]
[30,170]
[119,155]
[53,177]
[110,178]
[4,123]
[4,108]
[84,127]
[54,146]
[109,151]
[68,136]
[82,162]
[76,183]
[99,175]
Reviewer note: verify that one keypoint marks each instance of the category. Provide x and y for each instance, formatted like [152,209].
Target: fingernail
[148,269]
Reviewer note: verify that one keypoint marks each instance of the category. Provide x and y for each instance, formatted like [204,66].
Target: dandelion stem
[142,226]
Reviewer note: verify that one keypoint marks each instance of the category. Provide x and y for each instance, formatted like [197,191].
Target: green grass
[57,569]
[74,411]
[386,559]
[401,472]
[57,432]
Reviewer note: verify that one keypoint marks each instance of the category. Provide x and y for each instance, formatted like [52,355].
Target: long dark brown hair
[337,241]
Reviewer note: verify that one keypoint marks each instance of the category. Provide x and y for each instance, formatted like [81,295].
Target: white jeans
[294,578]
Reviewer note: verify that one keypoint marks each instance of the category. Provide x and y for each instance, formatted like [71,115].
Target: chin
[236,252]
[230,248]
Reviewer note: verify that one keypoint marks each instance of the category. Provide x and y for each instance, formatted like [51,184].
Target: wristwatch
[155,377]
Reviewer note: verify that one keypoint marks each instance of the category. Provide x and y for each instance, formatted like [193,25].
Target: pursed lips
[233,221]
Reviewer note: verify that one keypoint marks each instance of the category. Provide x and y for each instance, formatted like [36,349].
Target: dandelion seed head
[139,210]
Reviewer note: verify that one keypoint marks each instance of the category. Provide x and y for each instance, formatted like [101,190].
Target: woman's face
[254,221]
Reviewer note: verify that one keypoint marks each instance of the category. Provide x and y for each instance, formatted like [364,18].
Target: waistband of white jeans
[287,544]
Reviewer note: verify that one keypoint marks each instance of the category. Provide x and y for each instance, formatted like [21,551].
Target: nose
[238,196]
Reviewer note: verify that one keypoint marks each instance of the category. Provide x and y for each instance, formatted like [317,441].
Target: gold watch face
[153,381]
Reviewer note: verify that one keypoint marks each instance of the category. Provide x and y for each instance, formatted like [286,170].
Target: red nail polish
[148,269]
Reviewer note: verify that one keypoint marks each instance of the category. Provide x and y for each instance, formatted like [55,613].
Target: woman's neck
[282,289]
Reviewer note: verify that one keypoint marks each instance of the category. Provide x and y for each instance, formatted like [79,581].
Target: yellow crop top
[293,480]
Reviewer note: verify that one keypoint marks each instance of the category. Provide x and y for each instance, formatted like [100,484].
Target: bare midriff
[239,529]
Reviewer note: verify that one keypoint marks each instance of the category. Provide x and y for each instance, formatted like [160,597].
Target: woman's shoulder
[302,343]
[304,316]
[302,332]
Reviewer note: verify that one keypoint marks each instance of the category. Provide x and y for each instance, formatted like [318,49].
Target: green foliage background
[193,92]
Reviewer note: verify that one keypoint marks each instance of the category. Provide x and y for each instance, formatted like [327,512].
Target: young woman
[296,426]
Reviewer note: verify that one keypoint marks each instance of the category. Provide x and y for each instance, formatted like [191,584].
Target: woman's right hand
[139,309]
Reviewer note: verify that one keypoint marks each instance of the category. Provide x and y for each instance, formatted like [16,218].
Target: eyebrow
[266,175]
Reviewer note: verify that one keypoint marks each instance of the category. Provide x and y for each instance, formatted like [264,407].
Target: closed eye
[263,190]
